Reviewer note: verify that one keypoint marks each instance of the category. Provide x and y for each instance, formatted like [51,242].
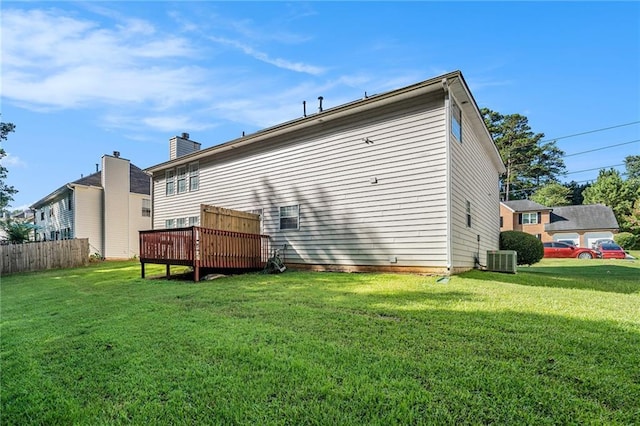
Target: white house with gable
[401,181]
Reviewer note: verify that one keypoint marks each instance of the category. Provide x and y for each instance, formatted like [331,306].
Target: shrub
[530,249]
[626,240]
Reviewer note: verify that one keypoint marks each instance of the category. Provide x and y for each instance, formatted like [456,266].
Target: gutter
[449,183]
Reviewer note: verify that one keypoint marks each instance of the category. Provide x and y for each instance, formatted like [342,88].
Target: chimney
[320,98]
[116,154]
[181,145]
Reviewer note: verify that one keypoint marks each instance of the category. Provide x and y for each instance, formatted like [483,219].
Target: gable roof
[453,81]
[584,217]
[524,206]
[139,183]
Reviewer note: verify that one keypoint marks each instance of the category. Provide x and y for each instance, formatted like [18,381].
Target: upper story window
[170,182]
[42,215]
[468,214]
[146,207]
[456,121]
[194,177]
[183,179]
[290,217]
[529,218]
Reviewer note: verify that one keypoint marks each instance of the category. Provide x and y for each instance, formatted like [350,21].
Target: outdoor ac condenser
[502,261]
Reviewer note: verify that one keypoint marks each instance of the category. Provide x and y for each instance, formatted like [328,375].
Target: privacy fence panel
[42,255]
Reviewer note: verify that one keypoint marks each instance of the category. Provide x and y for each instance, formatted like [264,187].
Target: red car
[611,251]
[557,249]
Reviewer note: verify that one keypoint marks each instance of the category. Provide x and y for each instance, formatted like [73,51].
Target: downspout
[449,185]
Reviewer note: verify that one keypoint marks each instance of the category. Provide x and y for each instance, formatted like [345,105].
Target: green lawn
[558,343]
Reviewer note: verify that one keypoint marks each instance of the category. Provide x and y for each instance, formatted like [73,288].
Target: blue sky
[84,79]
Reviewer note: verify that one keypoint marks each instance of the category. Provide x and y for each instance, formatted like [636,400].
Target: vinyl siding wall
[57,217]
[88,218]
[473,179]
[115,181]
[137,222]
[345,219]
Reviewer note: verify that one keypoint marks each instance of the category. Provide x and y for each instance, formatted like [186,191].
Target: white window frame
[289,215]
[526,218]
[468,214]
[146,207]
[181,222]
[170,223]
[170,182]
[194,220]
[181,182]
[194,176]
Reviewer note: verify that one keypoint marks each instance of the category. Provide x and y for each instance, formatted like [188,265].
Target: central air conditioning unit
[502,261]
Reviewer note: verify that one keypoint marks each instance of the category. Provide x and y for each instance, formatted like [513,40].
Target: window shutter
[520,219]
[539,217]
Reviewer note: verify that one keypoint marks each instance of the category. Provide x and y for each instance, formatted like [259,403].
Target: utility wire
[601,148]
[597,168]
[590,131]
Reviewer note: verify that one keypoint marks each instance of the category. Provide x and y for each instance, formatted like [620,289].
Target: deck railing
[203,248]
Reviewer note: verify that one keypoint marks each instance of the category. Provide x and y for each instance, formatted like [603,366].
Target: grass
[558,343]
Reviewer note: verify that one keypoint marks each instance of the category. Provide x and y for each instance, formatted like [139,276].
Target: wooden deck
[206,248]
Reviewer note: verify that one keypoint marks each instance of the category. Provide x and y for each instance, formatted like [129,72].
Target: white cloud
[13,161]
[51,59]
[261,56]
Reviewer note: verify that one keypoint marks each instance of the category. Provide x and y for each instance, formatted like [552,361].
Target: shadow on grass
[600,277]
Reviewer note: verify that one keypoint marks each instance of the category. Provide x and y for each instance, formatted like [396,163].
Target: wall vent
[502,261]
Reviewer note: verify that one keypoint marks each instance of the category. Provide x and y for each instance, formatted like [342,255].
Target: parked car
[570,242]
[558,249]
[610,251]
[596,243]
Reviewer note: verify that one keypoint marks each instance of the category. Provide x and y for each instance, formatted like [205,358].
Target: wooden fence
[42,255]
[203,248]
[229,220]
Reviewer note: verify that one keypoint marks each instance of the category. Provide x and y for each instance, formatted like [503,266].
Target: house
[20,216]
[108,207]
[582,224]
[406,180]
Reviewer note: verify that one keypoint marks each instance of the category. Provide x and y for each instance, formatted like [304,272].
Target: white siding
[474,178]
[57,218]
[137,222]
[344,218]
[115,183]
[88,217]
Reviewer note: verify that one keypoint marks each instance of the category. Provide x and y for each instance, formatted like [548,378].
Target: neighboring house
[108,207]
[402,181]
[582,224]
[21,216]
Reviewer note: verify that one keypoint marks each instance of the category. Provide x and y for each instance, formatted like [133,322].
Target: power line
[601,148]
[597,168]
[590,131]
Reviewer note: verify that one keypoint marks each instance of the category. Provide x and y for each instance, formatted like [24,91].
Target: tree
[575,192]
[611,190]
[17,231]
[6,191]
[552,194]
[529,162]
[632,164]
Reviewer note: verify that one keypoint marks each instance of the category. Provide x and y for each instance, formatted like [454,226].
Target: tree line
[534,168]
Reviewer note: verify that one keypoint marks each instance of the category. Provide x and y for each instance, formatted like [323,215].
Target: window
[501,221]
[182,179]
[146,207]
[50,211]
[42,215]
[539,236]
[52,234]
[170,223]
[468,214]
[170,182]
[194,221]
[181,222]
[456,121]
[289,217]
[194,177]
[529,218]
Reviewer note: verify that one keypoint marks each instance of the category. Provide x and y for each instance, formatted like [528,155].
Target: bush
[530,249]
[627,240]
